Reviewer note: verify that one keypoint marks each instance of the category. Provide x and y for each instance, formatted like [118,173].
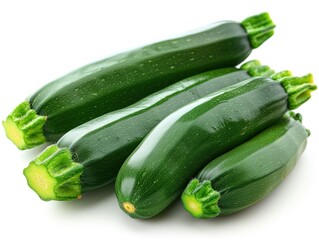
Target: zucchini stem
[200,199]
[53,175]
[298,88]
[24,127]
[259,28]
[254,69]
[298,117]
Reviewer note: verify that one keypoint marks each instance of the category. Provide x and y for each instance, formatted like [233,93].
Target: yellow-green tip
[41,181]
[298,88]
[14,133]
[201,200]
[24,127]
[128,207]
[53,175]
[192,205]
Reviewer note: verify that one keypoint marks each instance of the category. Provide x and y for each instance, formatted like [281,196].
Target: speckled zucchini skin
[248,173]
[158,170]
[103,144]
[121,80]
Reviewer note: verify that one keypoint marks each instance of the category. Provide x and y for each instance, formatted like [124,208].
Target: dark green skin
[103,144]
[251,171]
[159,169]
[121,80]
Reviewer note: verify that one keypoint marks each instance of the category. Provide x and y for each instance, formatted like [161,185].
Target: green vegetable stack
[174,118]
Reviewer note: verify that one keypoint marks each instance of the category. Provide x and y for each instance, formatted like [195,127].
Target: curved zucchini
[121,80]
[159,169]
[248,173]
[95,151]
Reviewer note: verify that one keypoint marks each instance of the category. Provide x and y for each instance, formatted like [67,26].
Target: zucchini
[248,173]
[123,79]
[158,170]
[91,154]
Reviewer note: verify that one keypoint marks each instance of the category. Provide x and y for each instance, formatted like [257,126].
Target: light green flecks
[53,175]
[200,199]
[24,127]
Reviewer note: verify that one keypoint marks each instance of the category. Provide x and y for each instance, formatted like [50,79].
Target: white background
[42,40]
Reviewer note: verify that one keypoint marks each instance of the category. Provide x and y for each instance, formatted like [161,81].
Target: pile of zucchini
[172,119]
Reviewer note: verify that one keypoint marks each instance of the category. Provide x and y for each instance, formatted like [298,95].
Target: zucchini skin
[121,80]
[158,170]
[251,171]
[118,133]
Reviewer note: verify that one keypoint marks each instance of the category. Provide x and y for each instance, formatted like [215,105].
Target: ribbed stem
[255,69]
[24,127]
[280,75]
[298,117]
[200,199]
[53,175]
[298,88]
[259,28]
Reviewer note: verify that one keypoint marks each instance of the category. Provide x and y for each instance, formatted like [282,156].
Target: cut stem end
[201,200]
[54,176]
[298,89]
[24,127]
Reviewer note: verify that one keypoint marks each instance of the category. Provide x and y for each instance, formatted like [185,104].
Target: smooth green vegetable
[249,172]
[92,154]
[121,80]
[185,141]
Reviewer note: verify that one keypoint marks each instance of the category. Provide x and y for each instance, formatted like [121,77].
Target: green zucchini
[158,170]
[248,173]
[92,153]
[123,79]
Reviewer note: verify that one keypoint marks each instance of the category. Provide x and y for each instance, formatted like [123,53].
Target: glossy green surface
[103,144]
[249,172]
[159,169]
[121,80]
